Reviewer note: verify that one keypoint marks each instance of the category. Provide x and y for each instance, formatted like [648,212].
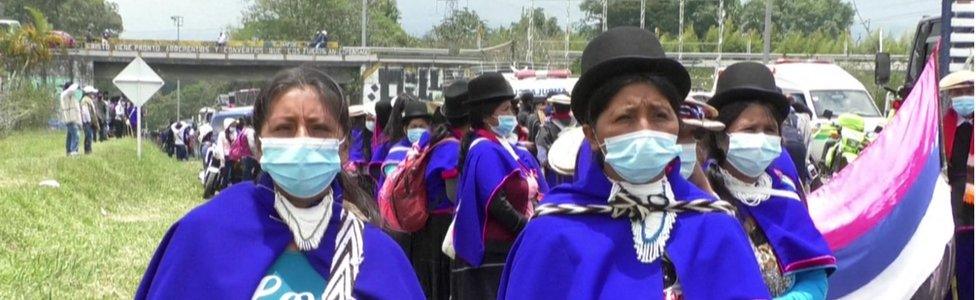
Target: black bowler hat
[622,51]
[414,109]
[749,81]
[489,87]
[454,97]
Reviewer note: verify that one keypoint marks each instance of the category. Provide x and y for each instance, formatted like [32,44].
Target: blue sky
[203,19]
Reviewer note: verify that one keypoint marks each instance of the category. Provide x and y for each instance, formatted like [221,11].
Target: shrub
[24,105]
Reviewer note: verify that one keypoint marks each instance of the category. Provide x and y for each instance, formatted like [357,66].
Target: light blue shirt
[291,277]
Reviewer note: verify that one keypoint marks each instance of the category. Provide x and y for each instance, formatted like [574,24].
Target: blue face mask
[963,105]
[751,153]
[371,126]
[689,159]
[506,125]
[640,156]
[302,167]
[415,134]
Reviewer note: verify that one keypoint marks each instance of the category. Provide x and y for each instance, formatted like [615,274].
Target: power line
[864,23]
[895,4]
[895,17]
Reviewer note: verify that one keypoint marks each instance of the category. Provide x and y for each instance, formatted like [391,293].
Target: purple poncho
[592,256]
[486,167]
[222,249]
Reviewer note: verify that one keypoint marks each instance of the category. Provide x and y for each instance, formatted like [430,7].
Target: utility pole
[766,30]
[605,15]
[721,28]
[178,21]
[479,36]
[528,54]
[681,28]
[178,93]
[880,39]
[362,25]
[642,13]
[568,20]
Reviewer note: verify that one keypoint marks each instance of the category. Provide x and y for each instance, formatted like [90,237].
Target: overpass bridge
[394,70]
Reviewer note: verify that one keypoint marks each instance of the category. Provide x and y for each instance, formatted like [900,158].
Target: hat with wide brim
[699,114]
[747,81]
[958,79]
[624,51]
[228,122]
[454,97]
[415,109]
[89,89]
[560,99]
[487,88]
[562,154]
[356,111]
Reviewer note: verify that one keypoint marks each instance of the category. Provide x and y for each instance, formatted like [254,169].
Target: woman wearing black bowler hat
[499,186]
[631,226]
[440,177]
[791,252]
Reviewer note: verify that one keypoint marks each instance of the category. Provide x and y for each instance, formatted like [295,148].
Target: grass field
[93,236]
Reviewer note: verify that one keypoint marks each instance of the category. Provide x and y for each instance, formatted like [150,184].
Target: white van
[823,87]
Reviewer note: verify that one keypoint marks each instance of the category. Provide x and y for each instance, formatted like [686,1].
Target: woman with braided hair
[631,226]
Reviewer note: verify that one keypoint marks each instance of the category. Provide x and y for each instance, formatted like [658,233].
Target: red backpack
[240,148]
[403,198]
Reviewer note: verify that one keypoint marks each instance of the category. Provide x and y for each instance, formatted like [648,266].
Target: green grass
[93,236]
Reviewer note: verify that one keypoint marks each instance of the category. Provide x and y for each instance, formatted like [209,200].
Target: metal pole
[568,20]
[767,30]
[529,54]
[681,28]
[178,100]
[880,39]
[605,15]
[721,28]
[362,24]
[139,131]
[642,14]
[178,21]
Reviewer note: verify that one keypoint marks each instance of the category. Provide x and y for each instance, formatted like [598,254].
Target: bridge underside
[104,71]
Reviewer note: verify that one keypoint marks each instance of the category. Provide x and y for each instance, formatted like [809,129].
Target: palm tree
[29,47]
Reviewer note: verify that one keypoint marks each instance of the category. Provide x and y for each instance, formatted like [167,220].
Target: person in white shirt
[120,118]
[225,139]
[71,116]
[178,129]
[222,40]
